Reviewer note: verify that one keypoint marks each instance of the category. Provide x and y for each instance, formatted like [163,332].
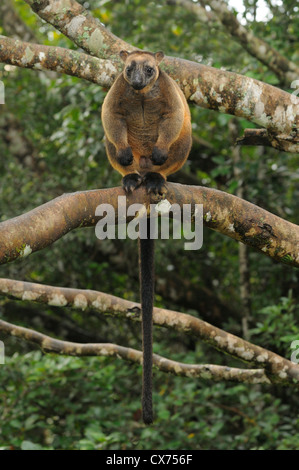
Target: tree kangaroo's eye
[149,71]
[129,70]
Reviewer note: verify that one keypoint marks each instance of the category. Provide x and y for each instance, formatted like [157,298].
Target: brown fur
[147,126]
[155,116]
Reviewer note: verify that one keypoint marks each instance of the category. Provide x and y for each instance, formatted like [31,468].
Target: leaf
[28,445]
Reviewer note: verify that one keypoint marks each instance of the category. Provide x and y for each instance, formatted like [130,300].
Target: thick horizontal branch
[102,72]
[57,59]
[203,371]
[276,368]
[207,87]
[225,213]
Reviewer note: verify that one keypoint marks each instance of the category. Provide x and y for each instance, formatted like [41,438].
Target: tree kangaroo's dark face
[141,68]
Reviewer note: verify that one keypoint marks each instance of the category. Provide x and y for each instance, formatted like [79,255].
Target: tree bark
[201,371]
[277,369]
[223,212]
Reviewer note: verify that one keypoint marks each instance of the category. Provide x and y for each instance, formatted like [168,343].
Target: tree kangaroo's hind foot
[154,183]
[131,182]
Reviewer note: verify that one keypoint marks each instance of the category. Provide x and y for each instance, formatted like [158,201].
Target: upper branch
[225,213]
[207,87]
[75,22]
[58,59]
[284,69]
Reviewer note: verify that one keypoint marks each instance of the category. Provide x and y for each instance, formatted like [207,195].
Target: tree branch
[225,213]
[277,369]
[205,86]
[203,371]
[286,70]
[58,59]
[78,24]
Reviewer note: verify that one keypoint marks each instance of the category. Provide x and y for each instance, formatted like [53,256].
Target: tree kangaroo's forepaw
[131,182]
[125,156]
[154,183]
[159,156]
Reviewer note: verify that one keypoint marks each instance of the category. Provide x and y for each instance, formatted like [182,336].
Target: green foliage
[93,404]
[273,323]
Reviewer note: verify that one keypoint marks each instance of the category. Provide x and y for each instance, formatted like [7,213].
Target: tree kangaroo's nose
[137,81]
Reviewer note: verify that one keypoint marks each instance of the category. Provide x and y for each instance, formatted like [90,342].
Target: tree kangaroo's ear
[159,56]
[124,55]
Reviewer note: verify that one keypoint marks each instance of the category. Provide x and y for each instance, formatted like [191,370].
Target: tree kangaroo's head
[141,68]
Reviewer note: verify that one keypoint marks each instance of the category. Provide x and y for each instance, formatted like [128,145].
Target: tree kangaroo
[147,127]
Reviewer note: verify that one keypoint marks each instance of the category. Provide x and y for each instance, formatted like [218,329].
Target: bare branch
[205,86]
[286,70]
[277,368]
[203,371]
[225,213]
[76,23]
[58,59]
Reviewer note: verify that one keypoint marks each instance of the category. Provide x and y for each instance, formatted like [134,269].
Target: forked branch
[276,369]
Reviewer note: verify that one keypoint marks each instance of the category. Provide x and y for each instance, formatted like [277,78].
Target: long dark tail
[146,260]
